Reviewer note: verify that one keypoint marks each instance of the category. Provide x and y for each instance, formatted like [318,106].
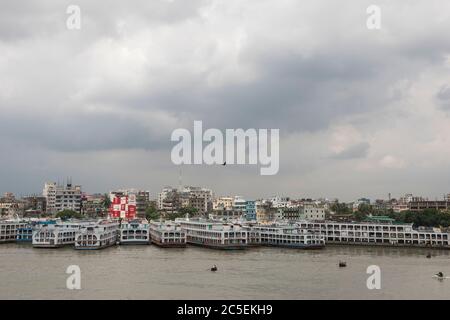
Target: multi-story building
[312,212]
[199,198]
[34,205]
[382,205]
[171,199]
[10,206]
[290,214]
[227,214]
[422,205]
[223,203]
[163,195]
[239,203]
[137,200]
[250,210]
[93,205]
[265,212]
[279,202]
[62,197]
[307,211]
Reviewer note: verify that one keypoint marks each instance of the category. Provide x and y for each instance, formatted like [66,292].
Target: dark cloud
[135,72]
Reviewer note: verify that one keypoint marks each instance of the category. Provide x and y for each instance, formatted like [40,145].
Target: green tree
[425,218]
[151,213]
[69,214]
[340,208]
[106,201]
[191,211]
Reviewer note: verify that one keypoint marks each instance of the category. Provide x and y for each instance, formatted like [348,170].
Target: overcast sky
[360,112]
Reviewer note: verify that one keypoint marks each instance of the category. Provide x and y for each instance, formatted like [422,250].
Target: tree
[69,214]
[191,211]
[151,213]
[340,208]
[425,218]
[106,201]
[365,209]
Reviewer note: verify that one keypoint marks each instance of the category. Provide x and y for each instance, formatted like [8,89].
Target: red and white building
[123,207]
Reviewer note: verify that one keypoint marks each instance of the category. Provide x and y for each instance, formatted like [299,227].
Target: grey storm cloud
[135,72]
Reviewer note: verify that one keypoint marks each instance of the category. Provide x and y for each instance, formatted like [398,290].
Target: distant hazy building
[171,199]
[239,203]
[423,205]
[223,203]
[10,206]
[227,214]
[306,211]
[312,212]
[250,210]
[279,202]
[163,195]
[34,205]
[199,198]
[93,205]
[265,212]
[62,197]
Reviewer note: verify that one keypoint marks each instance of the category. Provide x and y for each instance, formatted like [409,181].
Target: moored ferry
[214,234]
[385,233]
[9,228]
[134,232]
[285,235]
[56,235]
[167,234]
[25,233]
[97,236]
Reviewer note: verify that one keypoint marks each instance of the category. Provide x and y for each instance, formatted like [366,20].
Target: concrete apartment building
[306,211]
[223,203]
[62,197]
[171,199]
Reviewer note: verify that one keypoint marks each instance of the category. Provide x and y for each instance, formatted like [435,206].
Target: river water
[150,272]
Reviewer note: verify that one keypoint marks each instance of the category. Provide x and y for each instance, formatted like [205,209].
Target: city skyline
[154,193]
[361,113]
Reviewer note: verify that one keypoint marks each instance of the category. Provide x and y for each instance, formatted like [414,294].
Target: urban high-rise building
[62,197]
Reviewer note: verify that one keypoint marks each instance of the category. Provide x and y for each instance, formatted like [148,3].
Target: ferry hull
[219,247]
[50,246]
[169,245]
[93,247]
[134,242]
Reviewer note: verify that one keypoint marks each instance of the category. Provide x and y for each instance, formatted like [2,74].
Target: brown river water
[150,272]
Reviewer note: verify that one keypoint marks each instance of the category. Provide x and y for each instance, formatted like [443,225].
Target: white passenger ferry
[134,232]
[9,228]
[285,235]
[378,233]
[167,234]
[214,234]
[56,235]
[98,236]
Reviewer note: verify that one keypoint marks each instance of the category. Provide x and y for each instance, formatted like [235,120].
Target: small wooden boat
[214,268]
[342,264]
